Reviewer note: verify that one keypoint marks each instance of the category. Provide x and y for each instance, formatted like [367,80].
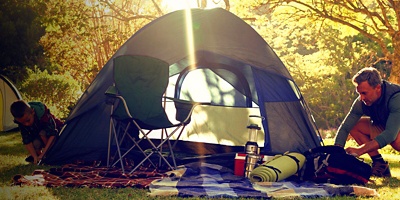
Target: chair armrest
[185,108]
[111,95]
[111,91]
[187,102]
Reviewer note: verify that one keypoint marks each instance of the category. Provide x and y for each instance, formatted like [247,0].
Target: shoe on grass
[29,159]
[381,169]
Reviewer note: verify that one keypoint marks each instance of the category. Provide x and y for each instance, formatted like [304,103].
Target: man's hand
[354,151]
[362,149]
[338,145]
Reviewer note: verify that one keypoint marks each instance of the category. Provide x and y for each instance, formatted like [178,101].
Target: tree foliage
[322,42]
[377,20]
[321,54]
[58,92]
[82,35]
[19,38]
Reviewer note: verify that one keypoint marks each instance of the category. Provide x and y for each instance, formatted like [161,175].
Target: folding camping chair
[139,85]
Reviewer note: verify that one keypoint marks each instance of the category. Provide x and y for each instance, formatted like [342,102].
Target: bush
[58,92]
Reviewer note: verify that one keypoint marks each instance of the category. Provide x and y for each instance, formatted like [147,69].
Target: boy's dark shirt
[44,120]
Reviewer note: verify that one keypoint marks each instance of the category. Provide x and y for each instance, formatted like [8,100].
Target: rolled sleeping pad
[279,168]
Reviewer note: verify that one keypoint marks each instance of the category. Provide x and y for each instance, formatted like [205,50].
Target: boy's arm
[48,123]
[32,151]
[47,146]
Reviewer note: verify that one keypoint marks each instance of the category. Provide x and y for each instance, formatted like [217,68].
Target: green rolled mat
[279,168]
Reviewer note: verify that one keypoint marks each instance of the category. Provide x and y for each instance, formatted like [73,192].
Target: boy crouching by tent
[38,127]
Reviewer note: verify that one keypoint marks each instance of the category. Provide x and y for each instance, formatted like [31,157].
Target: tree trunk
[395,58]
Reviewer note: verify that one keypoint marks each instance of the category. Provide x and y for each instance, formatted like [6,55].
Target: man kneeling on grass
[373,120]
[38,127]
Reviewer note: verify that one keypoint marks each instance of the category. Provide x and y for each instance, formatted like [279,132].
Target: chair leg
[171,153]
[177,139]
[109,143]
[136,144]
[118,149]
[120,141]
[144,160]
[156,148]
[172,147]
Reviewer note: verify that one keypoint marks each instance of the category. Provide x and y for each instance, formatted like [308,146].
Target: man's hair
[19,108]
[369,74]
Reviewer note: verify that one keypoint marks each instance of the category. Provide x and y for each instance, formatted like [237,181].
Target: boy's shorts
[38,143]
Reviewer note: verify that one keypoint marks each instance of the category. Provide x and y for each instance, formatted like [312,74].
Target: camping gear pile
[324,164]
[331,164]
[276,169]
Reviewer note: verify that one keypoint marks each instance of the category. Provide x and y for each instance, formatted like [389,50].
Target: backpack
[331,164]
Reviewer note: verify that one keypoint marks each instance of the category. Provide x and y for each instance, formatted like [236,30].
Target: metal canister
[252,161]
[251,148]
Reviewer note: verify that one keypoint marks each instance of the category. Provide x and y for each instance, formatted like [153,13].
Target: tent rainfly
[213,57]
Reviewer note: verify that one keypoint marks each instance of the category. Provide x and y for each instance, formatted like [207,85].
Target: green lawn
[13,153]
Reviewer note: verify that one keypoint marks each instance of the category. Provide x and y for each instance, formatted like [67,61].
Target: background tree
[58,91]
[82,35]
[19,38]
[321,54]
[377,20]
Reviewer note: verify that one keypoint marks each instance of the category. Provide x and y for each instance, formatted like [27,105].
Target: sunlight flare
[189,34]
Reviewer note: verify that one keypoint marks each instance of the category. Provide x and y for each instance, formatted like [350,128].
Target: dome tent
[9,94]
[216,58]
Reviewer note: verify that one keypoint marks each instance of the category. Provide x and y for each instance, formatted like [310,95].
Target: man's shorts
[375,130]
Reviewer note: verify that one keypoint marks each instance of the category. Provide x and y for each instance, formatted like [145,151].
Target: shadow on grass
[14,150]
[392,182]
[11,144]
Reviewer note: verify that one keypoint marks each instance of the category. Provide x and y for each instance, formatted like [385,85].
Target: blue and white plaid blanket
[209,180]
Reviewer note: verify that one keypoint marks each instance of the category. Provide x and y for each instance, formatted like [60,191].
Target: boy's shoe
[29,159]
[381,169]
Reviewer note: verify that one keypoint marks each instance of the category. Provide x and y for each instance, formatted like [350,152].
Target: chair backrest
[142,81]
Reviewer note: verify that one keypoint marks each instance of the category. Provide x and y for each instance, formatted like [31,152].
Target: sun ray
[189,33]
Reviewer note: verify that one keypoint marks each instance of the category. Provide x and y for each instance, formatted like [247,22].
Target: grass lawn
[12,162]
